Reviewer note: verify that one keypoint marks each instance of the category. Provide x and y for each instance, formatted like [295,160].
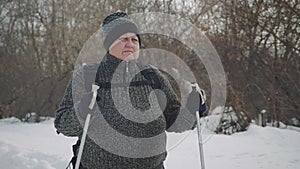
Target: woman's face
[126,47]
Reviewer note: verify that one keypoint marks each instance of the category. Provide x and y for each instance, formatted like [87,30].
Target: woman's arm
[178,118]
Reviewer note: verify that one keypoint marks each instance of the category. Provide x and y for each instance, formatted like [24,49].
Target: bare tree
[258,42]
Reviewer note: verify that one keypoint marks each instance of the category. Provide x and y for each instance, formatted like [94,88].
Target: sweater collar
[115,62]
[112,60]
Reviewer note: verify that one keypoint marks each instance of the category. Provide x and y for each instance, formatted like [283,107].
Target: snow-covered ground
[37,146]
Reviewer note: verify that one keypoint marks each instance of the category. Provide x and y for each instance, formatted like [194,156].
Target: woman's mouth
[128,52]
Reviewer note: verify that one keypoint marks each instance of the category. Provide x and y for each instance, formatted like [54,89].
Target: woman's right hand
[84,105]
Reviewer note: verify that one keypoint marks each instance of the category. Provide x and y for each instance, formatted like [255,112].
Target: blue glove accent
[202,109]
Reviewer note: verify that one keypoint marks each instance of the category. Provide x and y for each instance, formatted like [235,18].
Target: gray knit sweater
[128,127]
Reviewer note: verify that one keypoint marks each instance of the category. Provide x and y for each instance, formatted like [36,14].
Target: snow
[37,146]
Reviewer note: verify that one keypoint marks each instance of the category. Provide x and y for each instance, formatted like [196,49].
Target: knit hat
[116,25]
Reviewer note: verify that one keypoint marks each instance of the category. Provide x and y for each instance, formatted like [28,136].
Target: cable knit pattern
[132,111]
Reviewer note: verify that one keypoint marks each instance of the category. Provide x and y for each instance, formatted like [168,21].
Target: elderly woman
[129,120]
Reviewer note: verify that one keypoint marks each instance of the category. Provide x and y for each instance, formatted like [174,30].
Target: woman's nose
[129,43]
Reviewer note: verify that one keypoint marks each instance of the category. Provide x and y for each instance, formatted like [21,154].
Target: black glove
[84,105]
[203,105]
[196,102]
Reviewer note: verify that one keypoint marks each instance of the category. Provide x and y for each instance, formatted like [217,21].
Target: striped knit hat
[116,25]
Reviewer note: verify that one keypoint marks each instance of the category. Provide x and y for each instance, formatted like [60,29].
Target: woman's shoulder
[86,68]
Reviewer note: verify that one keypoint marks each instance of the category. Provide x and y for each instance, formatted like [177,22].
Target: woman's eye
[123,39]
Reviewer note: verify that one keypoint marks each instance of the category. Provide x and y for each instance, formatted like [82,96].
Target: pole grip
[94,90]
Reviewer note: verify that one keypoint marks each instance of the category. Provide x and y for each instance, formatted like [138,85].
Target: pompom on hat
[116,25]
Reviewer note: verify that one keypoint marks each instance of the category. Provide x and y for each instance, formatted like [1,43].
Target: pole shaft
[200,141]
[85,129]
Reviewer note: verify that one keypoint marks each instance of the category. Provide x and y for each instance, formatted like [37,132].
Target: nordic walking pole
[86,125]
[200,141]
